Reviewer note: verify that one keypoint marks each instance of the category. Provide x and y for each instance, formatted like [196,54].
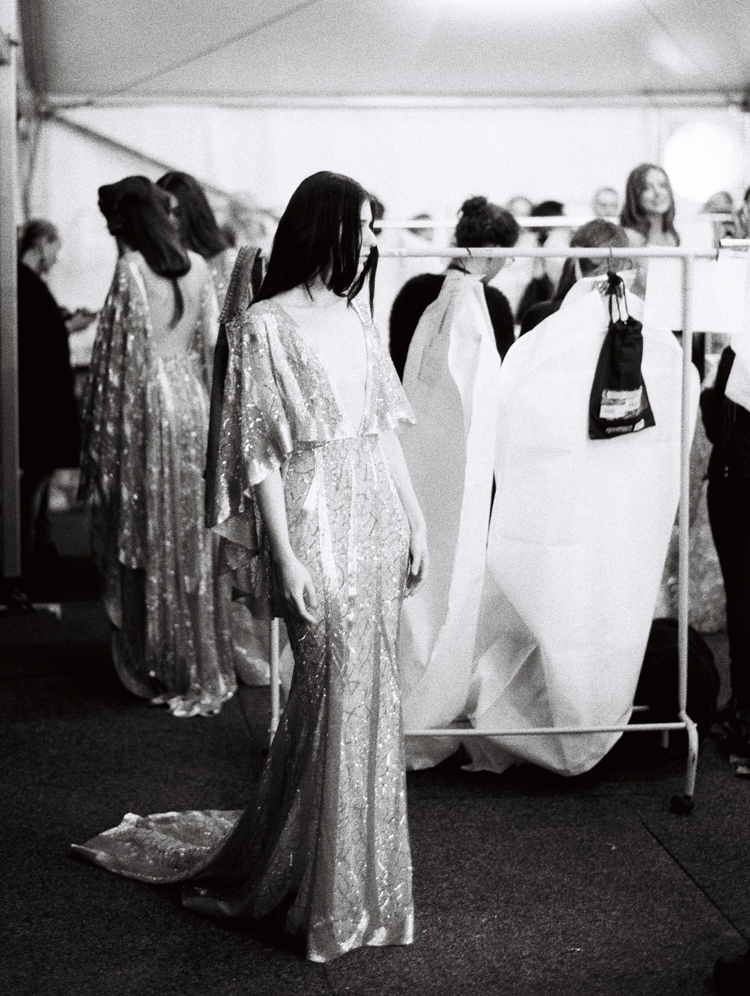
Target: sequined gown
[323,846]
[144,441]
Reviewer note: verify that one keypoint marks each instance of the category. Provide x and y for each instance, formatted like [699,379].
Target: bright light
[702,159]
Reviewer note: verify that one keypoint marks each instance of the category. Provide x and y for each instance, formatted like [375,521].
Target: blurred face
[368,236]
[655,197]
[520,207]
[48,253]
[606,203]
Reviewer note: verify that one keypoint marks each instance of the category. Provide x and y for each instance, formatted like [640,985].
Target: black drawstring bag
[619,400]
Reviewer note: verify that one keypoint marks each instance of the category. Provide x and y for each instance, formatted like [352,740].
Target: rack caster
[682,805]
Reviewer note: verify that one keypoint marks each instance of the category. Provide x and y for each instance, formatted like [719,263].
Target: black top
[47,408]
[727,426]
[418,293]
[537,313]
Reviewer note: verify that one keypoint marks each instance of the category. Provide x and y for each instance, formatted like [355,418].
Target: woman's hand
[297,588]
[418,560]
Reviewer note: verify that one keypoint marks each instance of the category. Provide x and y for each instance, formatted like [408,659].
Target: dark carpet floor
[525,885]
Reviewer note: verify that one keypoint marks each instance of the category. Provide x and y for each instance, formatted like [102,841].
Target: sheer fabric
[323,846]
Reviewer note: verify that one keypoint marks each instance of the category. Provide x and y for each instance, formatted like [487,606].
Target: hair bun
[474,206]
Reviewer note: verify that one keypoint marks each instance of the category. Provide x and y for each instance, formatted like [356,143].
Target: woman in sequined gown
[311,477]
[194,220]
[145,430]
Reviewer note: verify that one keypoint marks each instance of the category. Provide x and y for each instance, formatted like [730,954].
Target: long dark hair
[632,214]
[199,229]
[136,212]
[320,235]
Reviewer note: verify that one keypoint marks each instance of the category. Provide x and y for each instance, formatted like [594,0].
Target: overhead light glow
[701,159]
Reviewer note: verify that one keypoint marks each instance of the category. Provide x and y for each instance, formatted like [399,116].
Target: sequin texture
[145,431]
[324,841]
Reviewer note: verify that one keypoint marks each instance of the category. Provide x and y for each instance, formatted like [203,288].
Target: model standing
[145,429]
[311,405]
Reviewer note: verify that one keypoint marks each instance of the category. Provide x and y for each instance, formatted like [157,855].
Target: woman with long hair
[648,212]
[313,493]
[144,442]
[197,226]
[199,231]
[648,215]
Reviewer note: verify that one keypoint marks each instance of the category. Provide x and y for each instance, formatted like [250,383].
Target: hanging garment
[578,538]
[323,845]
[451,380]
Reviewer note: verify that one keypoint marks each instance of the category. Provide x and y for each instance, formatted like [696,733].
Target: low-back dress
[144,445]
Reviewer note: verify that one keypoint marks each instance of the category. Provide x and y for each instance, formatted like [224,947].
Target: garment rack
[680,803]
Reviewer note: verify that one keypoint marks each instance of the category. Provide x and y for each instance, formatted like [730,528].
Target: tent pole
[9,451]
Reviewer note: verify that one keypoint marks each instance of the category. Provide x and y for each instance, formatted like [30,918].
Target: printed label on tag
[620,404]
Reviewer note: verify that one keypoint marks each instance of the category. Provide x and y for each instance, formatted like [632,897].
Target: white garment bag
[451,380]
[578,538]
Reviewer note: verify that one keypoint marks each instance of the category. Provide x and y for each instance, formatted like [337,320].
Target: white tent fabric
[217,50]
[415,160]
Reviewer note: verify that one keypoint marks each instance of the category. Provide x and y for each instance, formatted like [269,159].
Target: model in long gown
[323,845]
[145,432]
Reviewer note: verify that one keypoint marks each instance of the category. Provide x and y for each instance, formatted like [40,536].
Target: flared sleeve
[113,458]
[255,439]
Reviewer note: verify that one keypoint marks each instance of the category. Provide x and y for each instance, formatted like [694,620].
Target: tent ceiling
[222,50]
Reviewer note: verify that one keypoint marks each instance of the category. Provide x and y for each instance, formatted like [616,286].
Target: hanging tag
[619,400]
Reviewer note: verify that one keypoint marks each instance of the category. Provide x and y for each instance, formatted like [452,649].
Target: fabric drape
[451,380]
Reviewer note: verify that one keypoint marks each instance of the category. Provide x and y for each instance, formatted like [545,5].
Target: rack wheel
[682,804]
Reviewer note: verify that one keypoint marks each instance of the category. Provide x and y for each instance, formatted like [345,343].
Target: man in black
[48,412]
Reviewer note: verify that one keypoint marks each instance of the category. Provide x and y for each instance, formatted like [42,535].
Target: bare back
[176,341]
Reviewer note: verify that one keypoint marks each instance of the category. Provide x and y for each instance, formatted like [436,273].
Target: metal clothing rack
[681,803]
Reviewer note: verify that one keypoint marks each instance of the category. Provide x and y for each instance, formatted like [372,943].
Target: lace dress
[323,846]
[145,431]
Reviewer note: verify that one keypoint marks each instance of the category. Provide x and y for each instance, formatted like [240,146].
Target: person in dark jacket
[728,428]
[480,224]
[47,408]
[594,234]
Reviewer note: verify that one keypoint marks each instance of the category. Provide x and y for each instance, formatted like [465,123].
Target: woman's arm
[296,583]
[418,530]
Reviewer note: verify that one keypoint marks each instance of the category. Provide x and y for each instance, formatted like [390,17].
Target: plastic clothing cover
[578,538]
[451,380]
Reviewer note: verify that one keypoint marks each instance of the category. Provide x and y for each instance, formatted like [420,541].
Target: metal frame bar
[527,221]
[9,446]
[688,257]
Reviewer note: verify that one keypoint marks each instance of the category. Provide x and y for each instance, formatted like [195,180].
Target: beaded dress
[323,846]
[144,443]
